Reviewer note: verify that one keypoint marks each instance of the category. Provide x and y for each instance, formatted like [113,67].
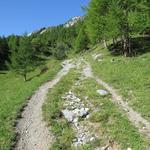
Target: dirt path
[142,124]
[32,130]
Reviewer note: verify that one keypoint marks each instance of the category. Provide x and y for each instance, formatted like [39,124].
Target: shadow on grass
[1,72]
[3,67]
[31,78]
[139,46]
[39,74]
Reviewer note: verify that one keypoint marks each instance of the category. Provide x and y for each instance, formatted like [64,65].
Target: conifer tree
[108,19]
[60,51]
[24,59]
[4,52]
[82,41]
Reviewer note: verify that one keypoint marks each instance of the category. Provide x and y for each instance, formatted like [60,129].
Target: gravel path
[32,130]
[142,124]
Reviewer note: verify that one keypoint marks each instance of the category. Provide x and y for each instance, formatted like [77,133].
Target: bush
[60,51]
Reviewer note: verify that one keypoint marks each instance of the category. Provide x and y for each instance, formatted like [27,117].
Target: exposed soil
[32,130]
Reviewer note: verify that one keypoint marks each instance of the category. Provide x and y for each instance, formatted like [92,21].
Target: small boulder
[69,115]
[102,92]
[92,139]
[83,112]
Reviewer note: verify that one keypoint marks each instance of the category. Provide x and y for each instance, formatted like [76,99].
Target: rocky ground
[77,113]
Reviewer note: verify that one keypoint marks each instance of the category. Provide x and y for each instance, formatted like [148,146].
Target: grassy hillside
[130,76]
[13,95]
[112,124]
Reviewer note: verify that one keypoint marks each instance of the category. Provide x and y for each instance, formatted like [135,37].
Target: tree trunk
[126,36]
[127,46]
[122,40]
[143,36]
[25,77]
[114,41]
[105,44]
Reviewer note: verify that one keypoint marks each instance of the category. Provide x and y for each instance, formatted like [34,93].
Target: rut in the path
[32,130]
[142,124]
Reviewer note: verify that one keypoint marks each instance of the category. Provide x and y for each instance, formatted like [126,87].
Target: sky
[20,16]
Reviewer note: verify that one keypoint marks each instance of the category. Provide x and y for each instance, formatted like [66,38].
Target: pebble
[86,97]
[92,139]
[75,120]
[88,116]
[97,56]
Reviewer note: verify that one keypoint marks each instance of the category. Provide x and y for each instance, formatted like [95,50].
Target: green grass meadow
[14,93]
[130,76]
[113,124]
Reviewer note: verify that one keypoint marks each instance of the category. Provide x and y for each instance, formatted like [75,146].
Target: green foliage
[4,51]
[24,59]
[48,42]
[113,19]
[81,41]
[42,42]
[14,95]
[60,52]
[95,20]
[13,42]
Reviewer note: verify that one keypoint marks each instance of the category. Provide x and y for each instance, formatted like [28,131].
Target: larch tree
[24,59]
[82,40]
[111,19]
[96,21]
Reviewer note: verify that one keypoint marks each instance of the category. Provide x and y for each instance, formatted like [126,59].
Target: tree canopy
[117,19]
[24,59]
